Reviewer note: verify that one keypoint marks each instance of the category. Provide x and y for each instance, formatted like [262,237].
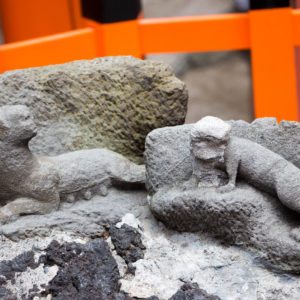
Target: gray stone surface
[84,218]
[198,197]
[218,158]
[168,158]
[243,217]
[173,258]
[108,102]
[168,152]
[30,184]
[170,258]
[263,169]
[208,146]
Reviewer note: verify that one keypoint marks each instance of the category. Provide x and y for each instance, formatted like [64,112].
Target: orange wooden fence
[270,34]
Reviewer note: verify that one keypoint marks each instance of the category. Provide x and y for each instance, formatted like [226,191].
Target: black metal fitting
[264,4]
[111,11]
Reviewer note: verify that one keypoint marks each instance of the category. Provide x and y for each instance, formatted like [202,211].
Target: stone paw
[70,198]
[190,184]
[87,195]
[103,190]
[226,188]
[5,217]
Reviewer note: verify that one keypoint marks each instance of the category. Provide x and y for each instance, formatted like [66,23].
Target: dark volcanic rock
[5,294]
[191,291]
[128,243]
[8,268]
[85,271]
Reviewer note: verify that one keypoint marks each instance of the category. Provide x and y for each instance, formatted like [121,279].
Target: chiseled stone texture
[167,152]
[168,157]
[245,216]
[85,218]
[223,271]
[30,184]
[111,102]
[170,258]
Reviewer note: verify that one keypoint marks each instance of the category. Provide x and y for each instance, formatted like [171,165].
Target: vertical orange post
[26,19]
[273,63]
[116,25]
[76,14]
[122,38]
[297,4]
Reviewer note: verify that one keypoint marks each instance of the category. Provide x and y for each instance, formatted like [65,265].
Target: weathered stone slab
[111,102]
[225,271]
[258,209]
[243,217]
[168,156]
[85,218]
[32,184]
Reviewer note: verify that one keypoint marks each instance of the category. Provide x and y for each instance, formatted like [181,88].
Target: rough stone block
[111,102]
[167,152]
[254,213]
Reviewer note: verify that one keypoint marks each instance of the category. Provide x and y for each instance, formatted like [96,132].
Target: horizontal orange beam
[55,49]
[191,34]
[179,34]
[202,33]
[23,20]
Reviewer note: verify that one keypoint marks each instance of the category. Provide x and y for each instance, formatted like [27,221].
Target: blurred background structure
[219,82]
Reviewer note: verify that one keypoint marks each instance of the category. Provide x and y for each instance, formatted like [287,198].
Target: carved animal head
[209,138]
[16,124]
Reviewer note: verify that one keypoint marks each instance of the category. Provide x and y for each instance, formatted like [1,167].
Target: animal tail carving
[129,176]
[288,191]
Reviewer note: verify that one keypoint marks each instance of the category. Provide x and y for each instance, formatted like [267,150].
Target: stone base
[168,263]
[244,217]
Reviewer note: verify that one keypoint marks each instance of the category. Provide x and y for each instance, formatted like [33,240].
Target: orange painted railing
[270,34]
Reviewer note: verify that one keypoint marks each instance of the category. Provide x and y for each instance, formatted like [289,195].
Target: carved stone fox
[35,185]
[216,151]
[263,169]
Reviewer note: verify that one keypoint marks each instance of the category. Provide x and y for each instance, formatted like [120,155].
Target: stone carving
[215,152]
[229,187]
[209,139]
[36,185]
[108,102]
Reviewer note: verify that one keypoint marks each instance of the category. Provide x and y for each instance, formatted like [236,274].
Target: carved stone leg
[26,206]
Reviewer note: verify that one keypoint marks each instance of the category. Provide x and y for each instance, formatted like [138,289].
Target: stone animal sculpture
[232,189]
[36,185]
[215,152]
